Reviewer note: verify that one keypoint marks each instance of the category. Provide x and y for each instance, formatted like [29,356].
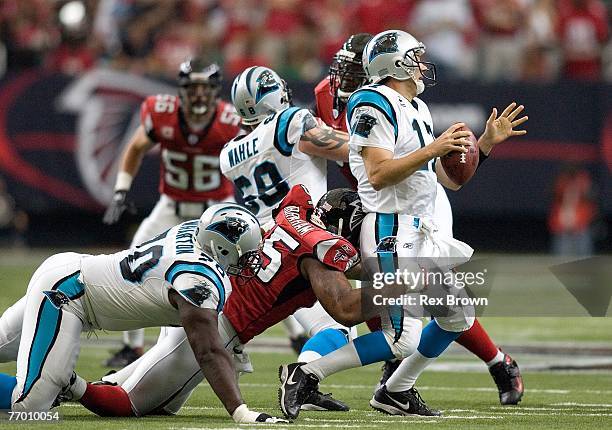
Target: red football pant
[107,401]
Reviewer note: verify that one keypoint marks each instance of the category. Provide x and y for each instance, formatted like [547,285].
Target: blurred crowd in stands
[525,40]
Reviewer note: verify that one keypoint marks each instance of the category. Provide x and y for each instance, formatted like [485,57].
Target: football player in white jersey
[177,278]
[286,146]
[395,158]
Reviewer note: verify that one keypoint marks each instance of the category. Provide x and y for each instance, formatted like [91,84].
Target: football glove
[242,415]
[118,205]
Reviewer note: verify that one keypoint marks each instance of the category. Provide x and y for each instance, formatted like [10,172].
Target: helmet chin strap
[420,86]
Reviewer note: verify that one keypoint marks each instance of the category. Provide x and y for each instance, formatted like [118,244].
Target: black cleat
[318,401]
[387,370]
[65,394]
[407,402]
[124,356]
[298,343]
[296,387]
[507,377]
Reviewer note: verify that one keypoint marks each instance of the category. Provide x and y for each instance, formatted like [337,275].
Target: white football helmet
[396,54]
[231,235]
[257,92]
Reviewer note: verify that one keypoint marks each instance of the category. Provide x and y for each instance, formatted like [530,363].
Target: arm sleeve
[291,125]
[370,127]
[199,284]
[336,253]
[146,118]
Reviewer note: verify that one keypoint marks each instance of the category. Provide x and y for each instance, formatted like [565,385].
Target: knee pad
[457,323]
[408,341]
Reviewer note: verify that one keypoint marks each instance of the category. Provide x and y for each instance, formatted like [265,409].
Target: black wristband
[481,157]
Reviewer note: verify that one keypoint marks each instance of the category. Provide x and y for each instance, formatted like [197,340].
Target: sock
[477,341]
[134,338]
[364,350]
[407,373]
[499,357]
[322,343]
[294,328]
[107,401]
[78,388]
[434,340]
[7,385]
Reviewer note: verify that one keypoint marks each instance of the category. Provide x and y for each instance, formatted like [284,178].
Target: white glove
[242,415]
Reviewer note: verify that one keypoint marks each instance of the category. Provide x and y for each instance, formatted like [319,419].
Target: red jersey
[189,160]
[337,120]
[279,289]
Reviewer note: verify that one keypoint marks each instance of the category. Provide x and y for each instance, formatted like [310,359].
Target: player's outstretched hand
[242,415]
[118,205]
[452,139]
[501,128]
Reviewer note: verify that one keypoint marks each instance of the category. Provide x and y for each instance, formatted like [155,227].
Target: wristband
[240,413]
[124,181]
[481,157]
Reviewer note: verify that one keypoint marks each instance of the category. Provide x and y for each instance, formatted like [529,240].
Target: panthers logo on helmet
[231,228]
[386,44]
[265,84]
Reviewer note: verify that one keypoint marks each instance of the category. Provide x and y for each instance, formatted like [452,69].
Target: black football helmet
[346,72]
[199,85]
[340,212]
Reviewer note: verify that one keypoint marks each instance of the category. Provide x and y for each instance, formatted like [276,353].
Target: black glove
[118,205]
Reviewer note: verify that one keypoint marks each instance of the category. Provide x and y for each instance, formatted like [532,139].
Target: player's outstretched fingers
[493,116]
[515,112]
[508,109]
[519,121]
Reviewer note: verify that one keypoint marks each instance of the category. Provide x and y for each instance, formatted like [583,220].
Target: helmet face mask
[199,86]
[346,74]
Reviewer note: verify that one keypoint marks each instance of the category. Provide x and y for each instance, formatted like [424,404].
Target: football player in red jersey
[191,129]
[302,263]
[346,75]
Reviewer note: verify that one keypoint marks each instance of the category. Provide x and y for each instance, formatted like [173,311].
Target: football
[459,166]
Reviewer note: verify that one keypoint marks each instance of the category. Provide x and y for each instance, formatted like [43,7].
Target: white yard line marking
[438,388]
[595,405]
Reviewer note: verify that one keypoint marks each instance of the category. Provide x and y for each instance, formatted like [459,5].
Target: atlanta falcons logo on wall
[107,104]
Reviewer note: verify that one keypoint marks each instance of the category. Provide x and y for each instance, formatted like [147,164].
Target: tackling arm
[215,362]
[325,142]
[334,292]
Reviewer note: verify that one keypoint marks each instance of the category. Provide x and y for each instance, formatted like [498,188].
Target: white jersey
[129,289]
[267,162]
[380,117]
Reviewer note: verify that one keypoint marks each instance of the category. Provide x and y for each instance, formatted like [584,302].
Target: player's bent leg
[10,331]
[165,371]
[49,344]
